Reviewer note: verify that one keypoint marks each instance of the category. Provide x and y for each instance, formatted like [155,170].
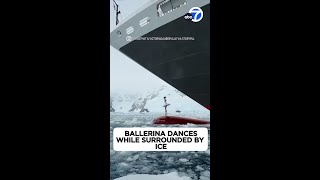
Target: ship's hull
[184,64]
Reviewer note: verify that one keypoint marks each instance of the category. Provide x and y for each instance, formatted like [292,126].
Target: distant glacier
[153,102]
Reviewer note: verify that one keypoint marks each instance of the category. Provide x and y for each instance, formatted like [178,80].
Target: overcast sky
[126,76]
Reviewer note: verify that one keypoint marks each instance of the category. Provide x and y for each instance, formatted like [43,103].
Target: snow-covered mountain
[122,102]
[153,102]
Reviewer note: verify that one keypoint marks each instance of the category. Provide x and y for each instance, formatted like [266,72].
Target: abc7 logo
[195,14]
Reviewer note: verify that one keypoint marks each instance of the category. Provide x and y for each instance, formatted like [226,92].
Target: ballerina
[165,105]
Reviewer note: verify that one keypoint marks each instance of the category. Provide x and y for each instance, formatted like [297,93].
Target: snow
[146,169]
[205,173]
[148,165]
[123,102]
[199,168]
[135,157]
[176,99]
[170,160]
[204,178]
[153,101]
[183,160]
[123,165]
[129,159]
[169,176]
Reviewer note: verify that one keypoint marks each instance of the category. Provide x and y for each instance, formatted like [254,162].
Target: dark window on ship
[177,3]
[164,7]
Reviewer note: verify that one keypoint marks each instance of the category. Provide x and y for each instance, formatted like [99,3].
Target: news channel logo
[195,14]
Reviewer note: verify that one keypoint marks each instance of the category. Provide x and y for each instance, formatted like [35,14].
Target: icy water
[195,165]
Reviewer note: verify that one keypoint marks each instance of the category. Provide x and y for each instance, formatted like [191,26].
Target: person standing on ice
[165,105]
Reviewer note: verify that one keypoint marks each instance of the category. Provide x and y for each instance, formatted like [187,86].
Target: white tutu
[165,105]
